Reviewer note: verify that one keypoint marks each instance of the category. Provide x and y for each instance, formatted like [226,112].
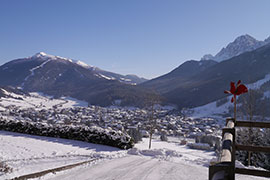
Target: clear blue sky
[144,37]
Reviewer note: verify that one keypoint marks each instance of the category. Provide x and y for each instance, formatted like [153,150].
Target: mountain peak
[207,57]
[43,55]
[240,45]
[267,40]
[244,39]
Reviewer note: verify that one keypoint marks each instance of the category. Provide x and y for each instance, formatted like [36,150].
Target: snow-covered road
[167,161]
[140,168]
[137,168]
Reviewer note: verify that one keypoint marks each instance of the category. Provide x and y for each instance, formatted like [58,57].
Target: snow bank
[239,164]
[155,153]
[201,146]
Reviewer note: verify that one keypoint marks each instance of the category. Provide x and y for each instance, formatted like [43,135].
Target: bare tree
[185,112]
[152,123]
[254,104]
[250,108]
[153,100]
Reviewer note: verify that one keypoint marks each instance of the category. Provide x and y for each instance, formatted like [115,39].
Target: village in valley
[165,120]
[134,90]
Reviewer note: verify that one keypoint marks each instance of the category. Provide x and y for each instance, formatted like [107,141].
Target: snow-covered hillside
[167,160]
[38,101]
[214,110]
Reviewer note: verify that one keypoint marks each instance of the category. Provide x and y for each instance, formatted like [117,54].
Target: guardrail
[225,168]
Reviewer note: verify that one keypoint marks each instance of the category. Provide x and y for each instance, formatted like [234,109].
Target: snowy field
[39,101]
[27,154]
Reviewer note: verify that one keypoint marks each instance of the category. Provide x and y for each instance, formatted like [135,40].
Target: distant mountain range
[193,83]
[60,76]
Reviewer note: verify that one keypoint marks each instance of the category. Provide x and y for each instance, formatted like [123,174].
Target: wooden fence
[225,168]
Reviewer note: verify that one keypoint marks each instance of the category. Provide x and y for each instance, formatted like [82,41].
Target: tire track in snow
[42,173]
[49,157]
[119,171]
[136,168]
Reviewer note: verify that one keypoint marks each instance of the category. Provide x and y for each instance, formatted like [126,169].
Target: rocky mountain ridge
[240,45]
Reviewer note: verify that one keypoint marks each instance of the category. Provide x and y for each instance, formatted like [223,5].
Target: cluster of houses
[160,121]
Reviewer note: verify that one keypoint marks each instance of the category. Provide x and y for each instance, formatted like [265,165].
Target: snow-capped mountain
[240,45]
[127,79]
[195,83]
[60,76]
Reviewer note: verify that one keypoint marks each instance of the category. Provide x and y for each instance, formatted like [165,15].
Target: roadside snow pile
[82,133]
[155,153]
[200,146]
[239,164]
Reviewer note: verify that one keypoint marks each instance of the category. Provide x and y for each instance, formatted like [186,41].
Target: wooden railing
[225,167]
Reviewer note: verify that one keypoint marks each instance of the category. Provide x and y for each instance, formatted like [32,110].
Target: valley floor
[27,154]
